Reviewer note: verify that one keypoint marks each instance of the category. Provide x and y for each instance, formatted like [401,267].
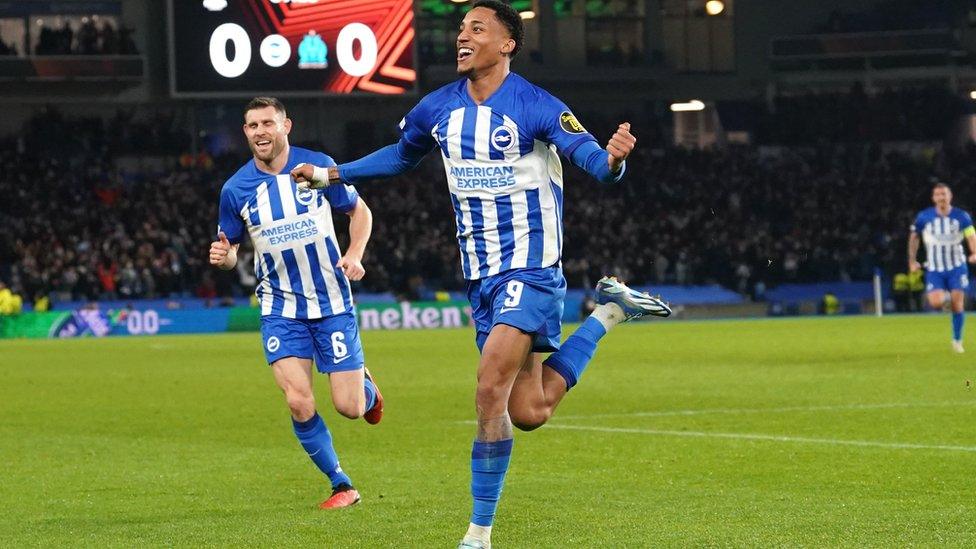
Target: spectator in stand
[10,302]
[8,49]
[108,273]
[108,38]
[90,39]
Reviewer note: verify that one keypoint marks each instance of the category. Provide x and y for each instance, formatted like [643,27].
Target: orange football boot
[343,496]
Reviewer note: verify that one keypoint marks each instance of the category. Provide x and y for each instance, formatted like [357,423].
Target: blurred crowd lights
[525,14]
[714,7]
[690,106]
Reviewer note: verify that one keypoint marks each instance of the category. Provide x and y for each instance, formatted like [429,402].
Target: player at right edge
[942,229]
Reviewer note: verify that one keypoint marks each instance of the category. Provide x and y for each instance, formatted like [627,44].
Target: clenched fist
[352,267]
[307,176]
[620,146]
[222,253]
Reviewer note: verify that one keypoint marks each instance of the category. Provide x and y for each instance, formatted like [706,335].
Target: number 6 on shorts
[339,349]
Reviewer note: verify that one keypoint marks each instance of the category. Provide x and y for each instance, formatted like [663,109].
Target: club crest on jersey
[305,197]
[570,124]
[503,138]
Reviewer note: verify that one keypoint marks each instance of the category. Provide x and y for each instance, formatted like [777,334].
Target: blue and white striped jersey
[295,246]
[503,170]
[943,236]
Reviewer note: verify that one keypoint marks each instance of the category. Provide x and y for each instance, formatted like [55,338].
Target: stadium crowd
[747,218]
[854,116]
[890,15]
[88,39]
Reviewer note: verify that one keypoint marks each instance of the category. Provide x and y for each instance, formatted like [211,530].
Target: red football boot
[343,496]
[374,414]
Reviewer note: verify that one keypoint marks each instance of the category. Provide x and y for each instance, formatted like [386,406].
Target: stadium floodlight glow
[714,7]
[527,14]
[972,95]
[690,106]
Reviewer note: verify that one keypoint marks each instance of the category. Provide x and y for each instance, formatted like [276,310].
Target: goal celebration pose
[500,139]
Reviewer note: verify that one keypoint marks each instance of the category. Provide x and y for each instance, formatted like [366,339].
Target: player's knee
[495,358]
[351,409]
[529,420]
[490,396]
[302,405]
[526,426]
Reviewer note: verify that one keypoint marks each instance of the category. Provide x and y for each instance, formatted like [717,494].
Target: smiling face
[941,197]
[267,132]
[482,43]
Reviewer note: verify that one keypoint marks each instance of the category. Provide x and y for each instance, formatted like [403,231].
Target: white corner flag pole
[878,304]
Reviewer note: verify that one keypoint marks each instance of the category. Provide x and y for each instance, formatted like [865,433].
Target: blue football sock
[370,391]
[489,462]
[317,441]
[571,359]
[958,319]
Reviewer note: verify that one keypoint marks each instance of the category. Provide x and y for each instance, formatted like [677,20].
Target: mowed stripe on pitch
[783,409]
[763,436]
[768,438]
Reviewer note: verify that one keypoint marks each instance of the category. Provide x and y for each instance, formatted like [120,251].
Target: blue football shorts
[528,299]
[956,279]
[332,342]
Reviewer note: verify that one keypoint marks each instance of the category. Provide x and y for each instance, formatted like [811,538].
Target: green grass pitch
[809,432]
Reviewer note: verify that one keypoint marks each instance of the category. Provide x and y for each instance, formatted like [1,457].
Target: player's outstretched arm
[913,242]
[386,162]
[360,229]
[223,254]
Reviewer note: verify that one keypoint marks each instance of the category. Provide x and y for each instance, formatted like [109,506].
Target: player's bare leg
[936,299]
[503,355]
[349,398]
[536,393]
[542,384]
[957,301]
[294,376]
[347,393]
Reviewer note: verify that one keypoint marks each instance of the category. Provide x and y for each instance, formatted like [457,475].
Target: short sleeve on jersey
[229,216]
[556,124]
[965,221]
[416,126]
[342,197]
[919,224]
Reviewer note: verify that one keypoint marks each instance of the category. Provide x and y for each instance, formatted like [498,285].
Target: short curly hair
[262,102]
[510,18]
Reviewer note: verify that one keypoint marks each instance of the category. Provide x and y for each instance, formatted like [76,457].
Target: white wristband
[320,176]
